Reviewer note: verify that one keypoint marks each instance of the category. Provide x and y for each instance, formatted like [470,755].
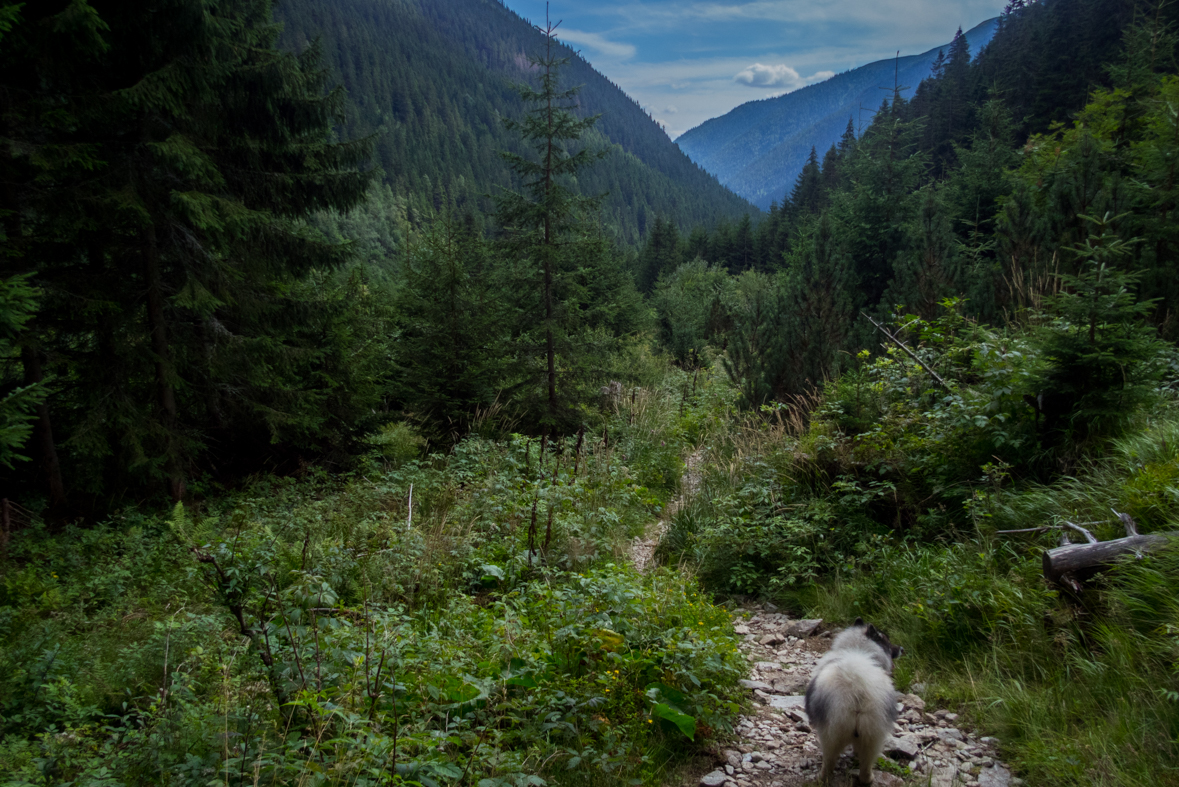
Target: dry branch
[910,353]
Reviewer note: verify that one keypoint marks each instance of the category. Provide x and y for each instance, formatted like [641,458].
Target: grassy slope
[886,505]
[436,648]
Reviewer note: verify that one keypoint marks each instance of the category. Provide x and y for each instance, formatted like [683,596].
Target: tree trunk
[159,341]
[46,448]
[212,395]
[1080,560]
[550,341]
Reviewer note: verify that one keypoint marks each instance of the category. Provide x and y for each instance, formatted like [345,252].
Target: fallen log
[1080,560]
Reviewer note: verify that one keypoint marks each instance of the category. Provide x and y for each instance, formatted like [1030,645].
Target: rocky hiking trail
[775,747]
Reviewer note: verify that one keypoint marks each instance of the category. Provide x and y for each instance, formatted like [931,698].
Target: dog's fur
[851,699]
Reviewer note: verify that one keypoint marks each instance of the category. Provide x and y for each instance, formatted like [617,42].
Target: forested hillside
[759,148]
[433,82]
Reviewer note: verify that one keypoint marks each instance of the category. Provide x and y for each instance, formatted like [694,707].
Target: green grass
[440,649]
[375,649]
[887,503]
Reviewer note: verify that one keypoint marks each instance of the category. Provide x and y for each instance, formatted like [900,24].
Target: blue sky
[688,61]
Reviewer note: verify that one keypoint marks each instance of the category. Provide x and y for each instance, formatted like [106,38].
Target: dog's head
[880,638]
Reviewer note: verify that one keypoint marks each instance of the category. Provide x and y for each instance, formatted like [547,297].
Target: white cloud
[671,109]
[758,75]
[783,76]
[686,53]
[598,42]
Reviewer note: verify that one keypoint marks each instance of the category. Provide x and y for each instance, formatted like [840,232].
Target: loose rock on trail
[775,746]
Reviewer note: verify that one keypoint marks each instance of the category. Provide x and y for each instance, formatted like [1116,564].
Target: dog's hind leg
[867,750]
[832,746]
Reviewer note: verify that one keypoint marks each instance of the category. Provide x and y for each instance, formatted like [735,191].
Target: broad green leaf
[682,721]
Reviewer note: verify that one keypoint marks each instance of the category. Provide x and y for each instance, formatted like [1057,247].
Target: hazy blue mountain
[759,148]
[433,80]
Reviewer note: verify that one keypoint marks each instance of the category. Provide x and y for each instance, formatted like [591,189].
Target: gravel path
[775,747]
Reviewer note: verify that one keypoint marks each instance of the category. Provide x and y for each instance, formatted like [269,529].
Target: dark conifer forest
[436,78]
[386,400]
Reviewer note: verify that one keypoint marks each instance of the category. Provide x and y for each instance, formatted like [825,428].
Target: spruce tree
[18,407]
[921,276]
[848,140]
[661,254]
[806,199]
[545,224]
[454,318]
[742,254]
[1103,359]
[170,238]
[831,170]
[817,288]
[938,69]
[882,174]
[756,358]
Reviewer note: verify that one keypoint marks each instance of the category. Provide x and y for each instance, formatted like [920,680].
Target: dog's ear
[859,622]
[871,631]
[897,652]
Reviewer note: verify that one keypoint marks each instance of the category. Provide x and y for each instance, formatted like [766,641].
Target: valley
[386,399]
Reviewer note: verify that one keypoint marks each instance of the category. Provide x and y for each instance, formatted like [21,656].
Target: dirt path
[642,549]
[775,747]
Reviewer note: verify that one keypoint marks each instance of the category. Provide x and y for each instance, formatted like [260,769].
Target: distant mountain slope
[433,79]
[759,148]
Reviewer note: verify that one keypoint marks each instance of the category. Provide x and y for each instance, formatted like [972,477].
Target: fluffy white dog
[851,698]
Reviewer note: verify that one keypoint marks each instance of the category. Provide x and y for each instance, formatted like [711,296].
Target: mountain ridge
[434,80]
[758,148]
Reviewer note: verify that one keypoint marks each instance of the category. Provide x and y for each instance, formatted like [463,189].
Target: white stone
[788,702]
[995,776]
[944,776]
[905,746]
[714,779]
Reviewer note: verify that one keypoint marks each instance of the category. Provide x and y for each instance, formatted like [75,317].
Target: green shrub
[397,443]
[314,626]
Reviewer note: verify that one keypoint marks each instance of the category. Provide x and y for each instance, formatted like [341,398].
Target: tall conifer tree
[545,224]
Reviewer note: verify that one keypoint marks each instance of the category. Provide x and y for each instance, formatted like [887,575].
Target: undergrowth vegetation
[885,496]
[460,618]
[472,617]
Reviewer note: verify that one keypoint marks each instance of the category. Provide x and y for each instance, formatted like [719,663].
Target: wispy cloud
[596,41]
[758,75]
[885,23]
[689,60]
[898,12]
